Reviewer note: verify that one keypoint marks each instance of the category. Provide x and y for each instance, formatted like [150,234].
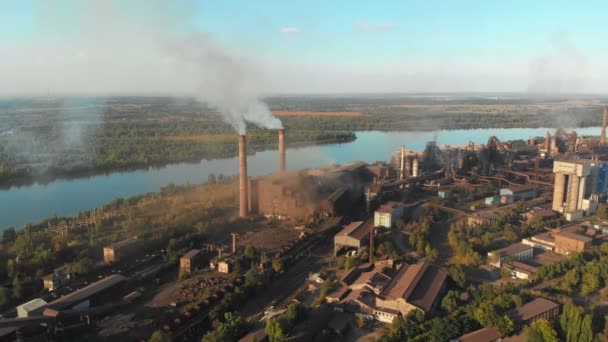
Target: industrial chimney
[603,136]
[243,195]
[548,141]
[402,163]
[282,164]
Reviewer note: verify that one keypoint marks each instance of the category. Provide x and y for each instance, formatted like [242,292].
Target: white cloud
[363,26]
[290,30]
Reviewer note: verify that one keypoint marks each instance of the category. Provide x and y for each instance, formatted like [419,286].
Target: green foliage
[4,296]
[250,252]
[17,288]
[276,330]
[83,266]
[450,301]
[277,265]
[601,211]
[231,329]
[457,274]
[159,336]
[541,331]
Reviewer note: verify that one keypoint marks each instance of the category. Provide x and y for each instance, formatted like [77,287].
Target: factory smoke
[149,47]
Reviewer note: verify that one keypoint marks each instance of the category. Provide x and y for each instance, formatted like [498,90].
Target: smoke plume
[107,47]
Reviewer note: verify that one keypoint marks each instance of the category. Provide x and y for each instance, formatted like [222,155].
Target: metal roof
[32,305]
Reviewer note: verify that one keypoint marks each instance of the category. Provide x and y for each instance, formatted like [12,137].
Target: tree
[601,211]
[586,330]
[4,296]
[9,235]
[17,288]
[277,265]
[275,330]
[250,252]
[541,331]
[159,336]
[457,274]
[294,312]
[450,302]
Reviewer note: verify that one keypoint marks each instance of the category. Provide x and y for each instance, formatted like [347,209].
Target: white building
[32,308]
[518,251]
[388,214]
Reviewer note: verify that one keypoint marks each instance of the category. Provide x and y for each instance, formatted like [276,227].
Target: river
[33,203]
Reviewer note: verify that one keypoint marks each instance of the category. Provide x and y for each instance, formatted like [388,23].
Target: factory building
[520,192]
[352,236]
[58,278]
[190,261]
[540,308]
[518,251]
[92,295]
[567,242]
[121,249]
[32,308]
[387,215]
[577,186]
[309,197]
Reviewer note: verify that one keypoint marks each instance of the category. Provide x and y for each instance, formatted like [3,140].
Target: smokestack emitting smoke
[603,136]
[243,193]
[282,162]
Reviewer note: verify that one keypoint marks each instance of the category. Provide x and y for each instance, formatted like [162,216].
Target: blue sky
[343,46]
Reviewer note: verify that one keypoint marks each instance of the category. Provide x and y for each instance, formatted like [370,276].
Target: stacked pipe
[282,163]
[243,193]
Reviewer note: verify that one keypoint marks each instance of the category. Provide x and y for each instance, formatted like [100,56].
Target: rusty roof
[418,284]
[481,335]
[574,236]
[357,230]
[535,308]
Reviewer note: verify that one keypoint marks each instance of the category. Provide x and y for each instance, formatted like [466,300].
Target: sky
[312,46]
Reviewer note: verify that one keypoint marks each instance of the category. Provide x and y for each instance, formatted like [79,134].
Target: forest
[45,138]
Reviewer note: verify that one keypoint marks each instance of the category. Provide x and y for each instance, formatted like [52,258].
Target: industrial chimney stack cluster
[243,180]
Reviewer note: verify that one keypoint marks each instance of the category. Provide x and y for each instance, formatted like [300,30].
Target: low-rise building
[481,335]
[539,308]
[32,308]
[91,295]
[354,235]
[387,215]
[568,242]
[521,270]
[520,192]
[190,261]
[517,251]
[540,214]
[60,277]
[482,218]
[225,266]
[122,249]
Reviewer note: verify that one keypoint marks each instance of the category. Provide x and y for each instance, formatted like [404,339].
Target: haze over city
[352,171]
[113,47]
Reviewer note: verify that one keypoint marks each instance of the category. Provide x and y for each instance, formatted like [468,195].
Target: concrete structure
[577,185]
[309,196]
[540,308]
[353,236]
[481,335]
[387,215]
[121,249]
[377,291]
[32,308]
[282,161]
[542,241]
[58,278]
[520,270]
[568,242]
[417,286]
[520,192]
[518,251]
[91,295]
[243,186]
[225,266]
[190,261]
[482,218]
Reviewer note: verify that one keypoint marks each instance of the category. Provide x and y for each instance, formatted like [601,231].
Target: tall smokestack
[548,141]
[402,164]
[282,163]
[243,195]
[603,136]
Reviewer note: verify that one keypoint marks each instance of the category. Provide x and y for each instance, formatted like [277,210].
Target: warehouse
[88,296]
[32,308]
[387,215]
[121,249]
[352,236]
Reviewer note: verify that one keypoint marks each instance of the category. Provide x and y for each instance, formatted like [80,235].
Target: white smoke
[107,47]
[226,81]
